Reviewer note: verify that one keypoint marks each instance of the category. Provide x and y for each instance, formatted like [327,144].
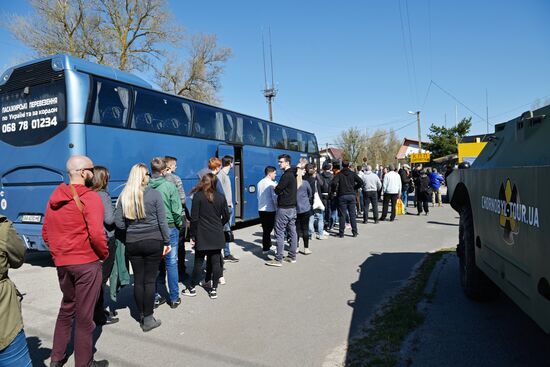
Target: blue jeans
[405,197]
[319,216]
[334,212]
[16,353]
[226,228]
[170,268]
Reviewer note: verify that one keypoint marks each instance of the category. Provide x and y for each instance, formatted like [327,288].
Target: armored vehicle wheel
[475,283]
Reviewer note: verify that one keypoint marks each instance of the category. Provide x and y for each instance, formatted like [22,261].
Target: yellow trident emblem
[508,222]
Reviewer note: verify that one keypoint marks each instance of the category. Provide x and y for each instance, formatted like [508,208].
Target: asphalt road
[460,332]
[299,315]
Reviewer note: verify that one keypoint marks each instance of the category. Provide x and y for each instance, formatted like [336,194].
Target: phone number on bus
[34,124]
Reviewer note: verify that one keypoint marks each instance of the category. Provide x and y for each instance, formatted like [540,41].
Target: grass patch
[379,344]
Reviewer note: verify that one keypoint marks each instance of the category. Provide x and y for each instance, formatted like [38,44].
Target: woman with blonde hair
[140,212]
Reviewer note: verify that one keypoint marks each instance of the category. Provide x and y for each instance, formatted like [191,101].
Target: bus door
[235,176]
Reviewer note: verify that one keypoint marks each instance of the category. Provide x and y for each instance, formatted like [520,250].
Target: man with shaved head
[73,230]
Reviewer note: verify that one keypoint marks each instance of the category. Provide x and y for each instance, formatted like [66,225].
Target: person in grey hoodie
[100,182]
[371,186]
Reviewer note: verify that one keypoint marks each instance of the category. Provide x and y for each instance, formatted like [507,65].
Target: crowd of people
[89,238]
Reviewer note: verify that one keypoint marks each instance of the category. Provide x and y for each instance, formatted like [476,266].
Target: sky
[365,64]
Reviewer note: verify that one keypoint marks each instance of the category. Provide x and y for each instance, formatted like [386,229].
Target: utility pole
[271,92]
[487,108]
[417,113]
[419,133]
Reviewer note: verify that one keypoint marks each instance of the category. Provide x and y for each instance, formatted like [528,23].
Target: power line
[458,101]
[412,52]
[406,53]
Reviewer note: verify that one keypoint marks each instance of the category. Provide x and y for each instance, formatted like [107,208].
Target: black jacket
[286,189]
[207,221]
[346,182]
[405,180]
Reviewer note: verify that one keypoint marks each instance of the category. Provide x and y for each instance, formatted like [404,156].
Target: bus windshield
[31,115]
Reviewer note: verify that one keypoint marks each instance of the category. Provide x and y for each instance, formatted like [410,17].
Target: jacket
[153,227]
[170,198]
[207,221]
[371,182]
[108,213]
[405,179]
[346,182]
[325,182]
[286,189]
[267,200]
[392,183]
[176,180]
[72,239]
[435,180]
[304,198]
[225,181]
[12,253]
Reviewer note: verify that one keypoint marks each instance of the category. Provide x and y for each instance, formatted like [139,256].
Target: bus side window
[293,143]
[110,106]
[160,113]
[277,137]
[229,127]
[239,130]
[207,123]
[254,132]
[311,144]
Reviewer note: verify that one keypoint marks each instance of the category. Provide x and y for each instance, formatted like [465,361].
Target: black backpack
[324,183]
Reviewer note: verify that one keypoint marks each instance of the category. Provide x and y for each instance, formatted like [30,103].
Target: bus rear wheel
[475,283]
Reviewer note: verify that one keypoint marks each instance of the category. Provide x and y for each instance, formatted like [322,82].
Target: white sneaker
[221,281]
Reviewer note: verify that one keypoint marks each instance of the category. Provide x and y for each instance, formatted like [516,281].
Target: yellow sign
[420,157]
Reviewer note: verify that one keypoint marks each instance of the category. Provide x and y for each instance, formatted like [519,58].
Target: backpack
[324,183]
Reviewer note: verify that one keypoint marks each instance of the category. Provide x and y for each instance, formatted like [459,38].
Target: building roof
[332,153]
[409,146]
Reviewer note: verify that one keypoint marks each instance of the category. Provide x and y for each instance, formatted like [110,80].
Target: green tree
[443,141]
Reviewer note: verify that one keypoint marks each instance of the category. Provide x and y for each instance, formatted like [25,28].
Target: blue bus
[60,106]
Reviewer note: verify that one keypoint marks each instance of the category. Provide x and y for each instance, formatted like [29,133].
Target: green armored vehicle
[504,207]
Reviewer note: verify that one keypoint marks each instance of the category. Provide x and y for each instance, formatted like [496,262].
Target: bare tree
[56,27]
[199,76]
[353,142]
[128,35]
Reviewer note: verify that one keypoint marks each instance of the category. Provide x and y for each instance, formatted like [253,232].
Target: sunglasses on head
[87,169]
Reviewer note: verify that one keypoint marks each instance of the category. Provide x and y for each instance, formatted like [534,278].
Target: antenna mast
[271,92]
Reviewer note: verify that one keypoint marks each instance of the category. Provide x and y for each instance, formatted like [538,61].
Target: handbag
[400,207]
[317,202]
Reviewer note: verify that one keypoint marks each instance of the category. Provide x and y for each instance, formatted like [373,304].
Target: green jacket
[12,254]
[171,200]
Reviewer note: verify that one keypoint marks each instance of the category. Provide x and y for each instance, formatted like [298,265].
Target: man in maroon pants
[73,230]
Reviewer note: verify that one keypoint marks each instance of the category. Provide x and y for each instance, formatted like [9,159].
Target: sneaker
[213,293]
[205,284]
[159,301]
[307,251]
[289,259]
[348,226]
[189,292]
[274,263]
[221,281]
[231,259]
[176,303]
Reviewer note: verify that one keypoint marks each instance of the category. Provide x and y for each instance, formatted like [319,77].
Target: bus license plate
[31,218]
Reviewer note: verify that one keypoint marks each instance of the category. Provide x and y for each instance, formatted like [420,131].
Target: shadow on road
[442,223]
[38,353]
[379,276]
